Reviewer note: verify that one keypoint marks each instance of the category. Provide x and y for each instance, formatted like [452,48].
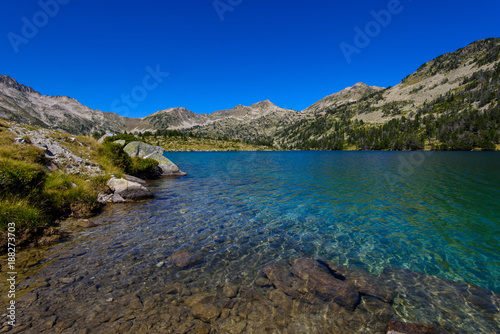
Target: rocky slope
[257,123]
[347,95]
[467,76]
[24,105]
[450,102]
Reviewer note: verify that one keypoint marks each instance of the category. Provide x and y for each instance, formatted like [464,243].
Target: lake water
[430,214]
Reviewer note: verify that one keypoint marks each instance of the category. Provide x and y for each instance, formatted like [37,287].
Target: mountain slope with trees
[448,103]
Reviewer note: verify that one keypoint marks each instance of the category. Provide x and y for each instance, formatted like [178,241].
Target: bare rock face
[128,190]
[143,150]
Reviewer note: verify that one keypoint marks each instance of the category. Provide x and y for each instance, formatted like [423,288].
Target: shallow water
[432,212]
[435,213]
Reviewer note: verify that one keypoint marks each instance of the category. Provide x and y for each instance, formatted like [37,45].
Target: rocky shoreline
[305,295]
[70,155]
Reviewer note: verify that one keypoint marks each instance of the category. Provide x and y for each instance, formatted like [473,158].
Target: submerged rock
[183,259]
[325,284]
[143,150]
[364,282]
[398,327]
[230,290]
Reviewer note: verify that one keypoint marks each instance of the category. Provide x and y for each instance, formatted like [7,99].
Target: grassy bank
[34,198]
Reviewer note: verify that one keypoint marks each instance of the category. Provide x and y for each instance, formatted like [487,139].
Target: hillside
[25,105]
[450,102]
[345,96]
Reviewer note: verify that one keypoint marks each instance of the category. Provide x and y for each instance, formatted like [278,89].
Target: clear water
[431,212]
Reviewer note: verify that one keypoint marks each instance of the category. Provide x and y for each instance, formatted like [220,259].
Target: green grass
[71,194]
[31,197]
[22,213]
[20,178]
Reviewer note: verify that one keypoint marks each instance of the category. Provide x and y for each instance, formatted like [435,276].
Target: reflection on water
[238,212]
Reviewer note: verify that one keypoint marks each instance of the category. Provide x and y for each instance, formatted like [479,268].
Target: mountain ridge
[450,74]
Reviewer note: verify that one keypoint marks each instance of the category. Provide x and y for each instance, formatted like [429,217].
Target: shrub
[124,136]
[116,155]
[144,168]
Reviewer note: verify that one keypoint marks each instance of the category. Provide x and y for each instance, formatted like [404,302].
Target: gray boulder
[143,150]
[127,190]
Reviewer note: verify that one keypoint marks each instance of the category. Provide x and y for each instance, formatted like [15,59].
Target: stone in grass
[120,142]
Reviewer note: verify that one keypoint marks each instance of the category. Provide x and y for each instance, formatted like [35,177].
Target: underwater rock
[183,259]
[364,282]
[398,327]
[325,284]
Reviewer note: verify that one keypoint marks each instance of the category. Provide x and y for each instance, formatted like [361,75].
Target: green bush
[124,136]
[136,166]
[144,168]
[116,154]
[20,178]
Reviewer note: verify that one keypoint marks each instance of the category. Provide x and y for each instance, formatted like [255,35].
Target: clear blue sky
[285,51]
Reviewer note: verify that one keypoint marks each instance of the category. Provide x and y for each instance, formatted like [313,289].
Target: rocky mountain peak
[347,95]
[359,85]
[264,104]
[11,83]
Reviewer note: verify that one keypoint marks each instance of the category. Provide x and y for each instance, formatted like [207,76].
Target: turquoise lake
[425,224]
[431,212]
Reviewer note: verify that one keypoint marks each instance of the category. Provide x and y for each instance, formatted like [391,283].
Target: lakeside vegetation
[34,198]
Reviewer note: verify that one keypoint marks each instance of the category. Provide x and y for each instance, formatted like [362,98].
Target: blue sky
[222,53]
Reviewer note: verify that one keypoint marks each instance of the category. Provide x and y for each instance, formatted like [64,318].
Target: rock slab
[146,151]
[127,190]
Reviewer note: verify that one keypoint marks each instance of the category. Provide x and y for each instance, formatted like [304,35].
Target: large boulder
[127,190]
[143,150]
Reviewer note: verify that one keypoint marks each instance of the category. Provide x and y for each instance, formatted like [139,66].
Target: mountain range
[453,85]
